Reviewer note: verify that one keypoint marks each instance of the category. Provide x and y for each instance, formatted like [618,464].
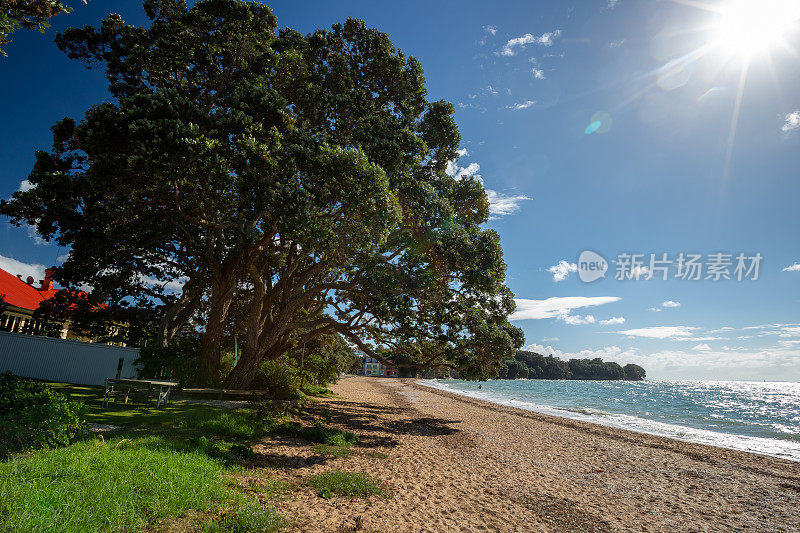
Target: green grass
[376,455]
[132,414]
[179,418]
[329,450]
[247,517]
[129,485]
[347,484]
[315,390]
[116,485]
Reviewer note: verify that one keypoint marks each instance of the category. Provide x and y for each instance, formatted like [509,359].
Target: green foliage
[279,378]
[27,14]
[240,424]
[318,433]
[34,416]
[513,369]
[536,366]
[117,485]
[634,372]
[595,369]
[178,362]
[248,517]
[330,450]
[347,484]
[308,170]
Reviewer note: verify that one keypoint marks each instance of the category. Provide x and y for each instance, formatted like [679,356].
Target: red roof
[20,294]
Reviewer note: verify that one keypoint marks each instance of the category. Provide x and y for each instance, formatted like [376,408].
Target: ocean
[760,417]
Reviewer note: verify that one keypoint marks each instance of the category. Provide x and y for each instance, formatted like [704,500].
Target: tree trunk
[179,313]
[221,296]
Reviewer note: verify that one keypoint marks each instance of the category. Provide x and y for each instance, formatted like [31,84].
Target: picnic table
[149,387]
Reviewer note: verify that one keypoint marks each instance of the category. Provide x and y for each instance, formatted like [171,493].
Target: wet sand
[454,463]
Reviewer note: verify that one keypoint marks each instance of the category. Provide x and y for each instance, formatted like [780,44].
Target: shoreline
[455,463]
[715,435]
[622,434]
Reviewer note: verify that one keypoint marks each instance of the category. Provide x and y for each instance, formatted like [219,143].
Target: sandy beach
[457,464]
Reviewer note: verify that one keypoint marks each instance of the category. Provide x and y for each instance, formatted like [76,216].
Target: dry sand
[457,464]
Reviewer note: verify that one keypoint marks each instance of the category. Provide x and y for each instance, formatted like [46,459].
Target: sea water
[760,417]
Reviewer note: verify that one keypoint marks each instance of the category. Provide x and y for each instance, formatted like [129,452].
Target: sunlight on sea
[760,417]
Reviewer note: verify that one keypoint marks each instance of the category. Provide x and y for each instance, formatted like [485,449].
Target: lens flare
[600,123]
[747,27]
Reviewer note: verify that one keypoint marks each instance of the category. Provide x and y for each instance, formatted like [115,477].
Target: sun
[748,27]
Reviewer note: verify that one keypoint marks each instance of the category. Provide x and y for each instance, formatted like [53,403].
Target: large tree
[304,174]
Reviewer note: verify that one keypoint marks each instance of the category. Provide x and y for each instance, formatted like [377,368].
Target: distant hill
[532,365]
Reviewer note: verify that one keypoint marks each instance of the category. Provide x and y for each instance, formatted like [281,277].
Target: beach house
[20,298]
[373,367]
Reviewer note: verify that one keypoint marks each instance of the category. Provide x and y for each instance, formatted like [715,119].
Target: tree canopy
[296,181]
[27,14]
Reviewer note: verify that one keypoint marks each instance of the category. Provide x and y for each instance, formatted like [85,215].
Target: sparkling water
[761,417]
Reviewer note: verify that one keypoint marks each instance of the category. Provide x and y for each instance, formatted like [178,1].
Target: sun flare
[747,27]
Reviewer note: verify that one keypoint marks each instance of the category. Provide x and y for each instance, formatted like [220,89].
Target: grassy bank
[186,467]
[123,485]
[177,464]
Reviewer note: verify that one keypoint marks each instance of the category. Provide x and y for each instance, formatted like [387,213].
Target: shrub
[278,378]
[34,416]
[348,484]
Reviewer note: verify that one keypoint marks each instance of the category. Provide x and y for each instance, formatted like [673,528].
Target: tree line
[531,365]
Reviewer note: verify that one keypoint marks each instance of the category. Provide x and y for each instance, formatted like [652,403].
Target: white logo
[591,266]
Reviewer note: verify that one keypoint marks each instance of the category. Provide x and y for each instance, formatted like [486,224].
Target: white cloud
[792,268]
[670,303]
[556,307]
[547,339]
[612,4]
[791,121]
[577,320]
[14,267]
[33,234]
[654,309]
[721,330]
[25,185]
[521,105]
[660,332]
[501,204]
[538,73]
[491,29]
[453,170]
[616,44]
[175,285]
[562,270]
[702,347]
[546,39]
[613,321]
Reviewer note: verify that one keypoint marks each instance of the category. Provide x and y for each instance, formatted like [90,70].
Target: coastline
[455,463]
[758,445]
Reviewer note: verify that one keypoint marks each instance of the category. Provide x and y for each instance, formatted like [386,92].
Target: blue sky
[657,81]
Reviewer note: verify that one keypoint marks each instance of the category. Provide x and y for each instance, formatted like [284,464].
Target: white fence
[49,359]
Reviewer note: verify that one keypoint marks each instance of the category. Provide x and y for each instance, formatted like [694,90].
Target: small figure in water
[479,387]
